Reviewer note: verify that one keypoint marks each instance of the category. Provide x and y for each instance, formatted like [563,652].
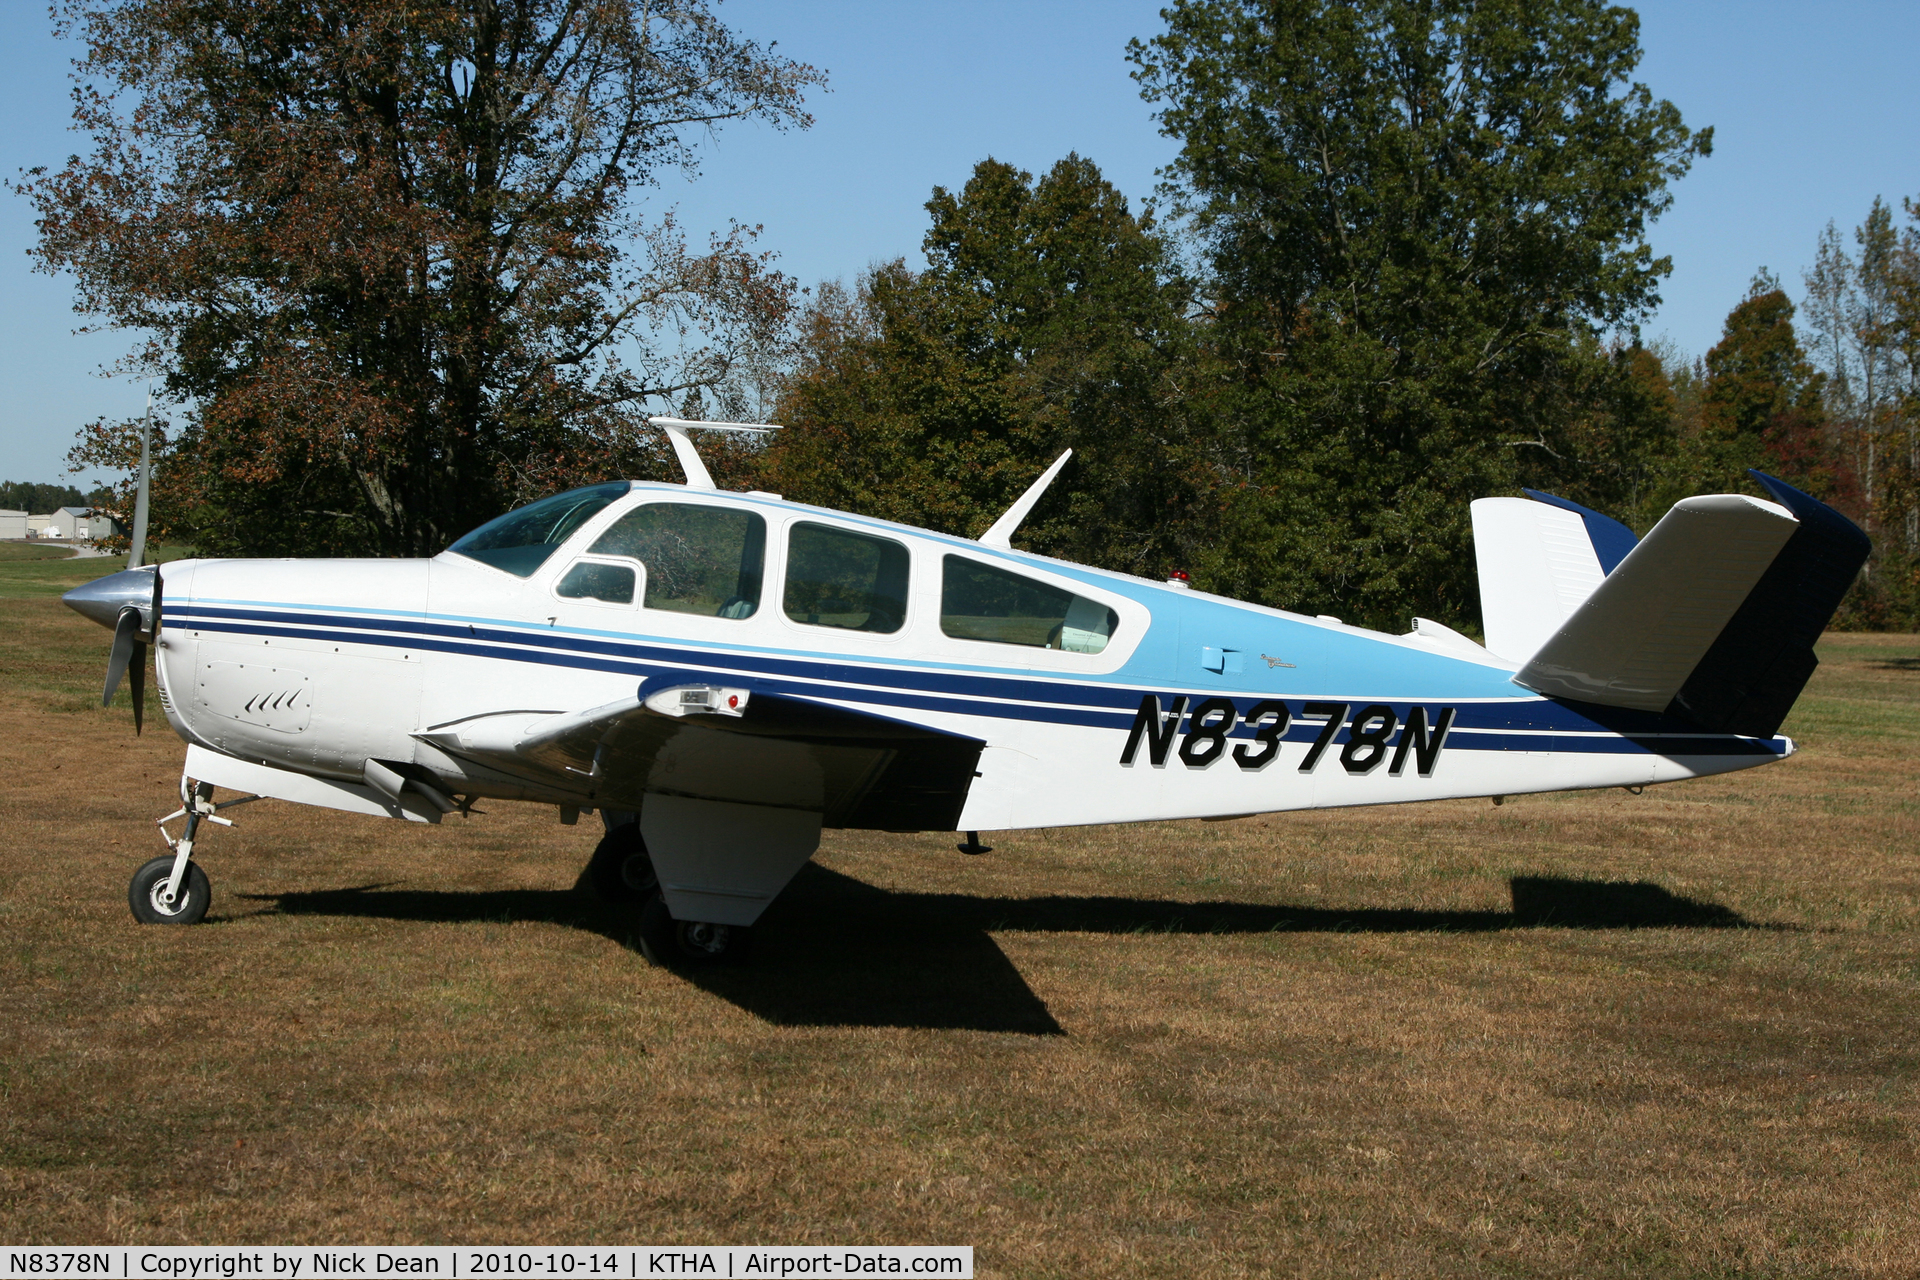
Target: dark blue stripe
[1532,724]
[1114,697]
[1612,744]
[1611,540]
[713,671]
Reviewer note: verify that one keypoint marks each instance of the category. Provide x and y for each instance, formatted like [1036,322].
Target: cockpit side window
[839,578]
[522,540]
[700,559]
[983,602]
[591,580]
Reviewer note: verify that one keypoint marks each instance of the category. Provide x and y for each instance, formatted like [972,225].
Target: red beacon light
[1179,578]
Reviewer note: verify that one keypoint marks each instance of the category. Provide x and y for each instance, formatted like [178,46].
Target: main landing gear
[620,870]
[682,944]
[621,873]
[172,889]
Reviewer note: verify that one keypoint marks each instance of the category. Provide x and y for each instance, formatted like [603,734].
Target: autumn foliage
[391,266]
[387,256]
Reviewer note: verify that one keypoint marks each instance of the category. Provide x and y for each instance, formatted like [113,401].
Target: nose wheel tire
[620,870]
[688,944]
[147,894]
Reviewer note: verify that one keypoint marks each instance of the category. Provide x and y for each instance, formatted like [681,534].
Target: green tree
[1761,405]
[1873,325]
[1863,315]
[387,253]
[43,499]
[1620,434]
[1758,372]
[1049,317]
[1903,487]
[1415,215]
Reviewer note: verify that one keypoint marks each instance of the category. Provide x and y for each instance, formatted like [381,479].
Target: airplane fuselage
[1098,697]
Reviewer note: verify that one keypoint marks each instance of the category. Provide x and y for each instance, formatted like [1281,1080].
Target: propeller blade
[136,554]
[124,631]
[137,684]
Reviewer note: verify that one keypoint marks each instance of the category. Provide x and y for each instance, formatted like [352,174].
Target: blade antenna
[136,555]
[696,470]
[1001,534]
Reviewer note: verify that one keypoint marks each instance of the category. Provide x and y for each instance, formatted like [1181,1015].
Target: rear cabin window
[520,541]
[838,578]
[982,602]
[702,560]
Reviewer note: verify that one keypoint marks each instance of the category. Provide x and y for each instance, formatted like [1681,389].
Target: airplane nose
[104,598]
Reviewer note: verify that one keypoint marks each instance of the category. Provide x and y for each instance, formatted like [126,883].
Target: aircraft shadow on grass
[851,954]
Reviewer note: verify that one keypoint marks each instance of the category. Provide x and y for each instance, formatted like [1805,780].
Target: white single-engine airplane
[722,675]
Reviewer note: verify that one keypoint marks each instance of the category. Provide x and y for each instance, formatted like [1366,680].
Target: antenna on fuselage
[696,470]
[1001,534]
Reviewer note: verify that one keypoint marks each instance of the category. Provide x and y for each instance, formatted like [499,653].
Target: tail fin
[1538,562]
[1712,618]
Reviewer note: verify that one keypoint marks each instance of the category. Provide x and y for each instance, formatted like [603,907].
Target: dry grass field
[1674,1034]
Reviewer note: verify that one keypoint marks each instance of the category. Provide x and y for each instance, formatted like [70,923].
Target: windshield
[521,540]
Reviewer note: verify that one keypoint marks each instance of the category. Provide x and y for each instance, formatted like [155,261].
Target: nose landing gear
[172,889]
[154,900]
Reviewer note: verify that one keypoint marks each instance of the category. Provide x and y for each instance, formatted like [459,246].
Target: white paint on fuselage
[395,647]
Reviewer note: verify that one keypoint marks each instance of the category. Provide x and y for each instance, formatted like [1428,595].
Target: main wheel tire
[620,870]
[150,881]
[688,944]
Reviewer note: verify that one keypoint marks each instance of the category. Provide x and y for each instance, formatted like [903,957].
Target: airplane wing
[737,745]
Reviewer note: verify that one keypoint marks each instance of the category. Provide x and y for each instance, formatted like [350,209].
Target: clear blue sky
[1812,108]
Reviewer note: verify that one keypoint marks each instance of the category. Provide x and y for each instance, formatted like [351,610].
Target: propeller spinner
[129,602]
